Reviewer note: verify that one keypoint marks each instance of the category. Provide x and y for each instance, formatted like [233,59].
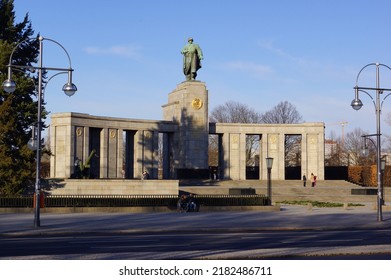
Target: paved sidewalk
[289,218]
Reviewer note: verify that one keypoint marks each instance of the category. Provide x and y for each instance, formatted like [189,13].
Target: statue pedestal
[188,106]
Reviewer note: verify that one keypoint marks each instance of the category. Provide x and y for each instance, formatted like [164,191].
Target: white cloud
[269,46]
[131,52]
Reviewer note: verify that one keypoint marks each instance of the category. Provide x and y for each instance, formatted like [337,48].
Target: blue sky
[126,54]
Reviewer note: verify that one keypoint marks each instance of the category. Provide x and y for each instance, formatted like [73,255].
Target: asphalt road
[292,244]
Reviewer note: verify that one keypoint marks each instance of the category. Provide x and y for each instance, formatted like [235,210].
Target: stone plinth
[116,187]
[188,107]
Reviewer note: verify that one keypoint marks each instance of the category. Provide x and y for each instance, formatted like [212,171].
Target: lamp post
[383,162]
[269,165]
[69,89]
[356,105]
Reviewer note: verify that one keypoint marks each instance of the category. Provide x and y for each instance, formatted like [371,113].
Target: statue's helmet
[190,39]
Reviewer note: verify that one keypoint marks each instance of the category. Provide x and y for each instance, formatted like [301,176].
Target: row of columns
[233,154]
[120,153]
[73,137]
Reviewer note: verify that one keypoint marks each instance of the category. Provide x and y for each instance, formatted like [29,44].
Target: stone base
[115,187]
[188,107]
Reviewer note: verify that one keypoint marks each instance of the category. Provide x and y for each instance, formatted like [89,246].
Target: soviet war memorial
[178,145]
[158,154]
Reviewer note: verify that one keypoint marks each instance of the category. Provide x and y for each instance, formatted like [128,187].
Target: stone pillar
[225,155]
[103,153]
[120,154]
[138,154]
[61,139]
[279,165]
[234,156]
[146,153]
[262,156]
[315,155]
[276,151]
[304,162]
[149,162]
[242,156]
[188,106]
[79,143]
[154,169]
[112,153]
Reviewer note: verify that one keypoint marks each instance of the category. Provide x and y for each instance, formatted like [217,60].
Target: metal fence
[131,200]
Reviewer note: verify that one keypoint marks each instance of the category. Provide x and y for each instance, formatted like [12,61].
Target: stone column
[276,151]
[304,162]
[262,157]
[279,165]
[138,154]
[104,147]
[242,156]
[225,154]
[62,145]
[315,155]
[149,158]
[120,154]
[112,153]
[234,156]
[146,153]
[321,155]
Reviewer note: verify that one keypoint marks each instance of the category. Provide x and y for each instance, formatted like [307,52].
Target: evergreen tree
[18,110]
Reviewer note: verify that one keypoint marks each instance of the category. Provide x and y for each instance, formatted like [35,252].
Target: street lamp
[356,105]
[269,165]
[69,89]
[383,161]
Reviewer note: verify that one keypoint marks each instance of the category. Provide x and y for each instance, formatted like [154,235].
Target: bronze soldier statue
[192,56]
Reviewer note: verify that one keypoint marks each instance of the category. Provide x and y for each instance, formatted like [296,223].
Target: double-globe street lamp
[356,105]
[69,89]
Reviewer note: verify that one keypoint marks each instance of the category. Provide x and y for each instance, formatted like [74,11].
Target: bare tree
[354,145]
[334,153]
[213,150]
[283,112]
[234,112]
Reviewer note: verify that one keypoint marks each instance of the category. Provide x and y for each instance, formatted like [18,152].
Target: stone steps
[289,190]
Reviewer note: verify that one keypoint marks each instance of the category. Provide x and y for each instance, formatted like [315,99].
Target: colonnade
[124,148]
[232,161]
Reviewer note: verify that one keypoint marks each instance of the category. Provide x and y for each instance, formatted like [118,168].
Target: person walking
[304,180]
[312,179]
